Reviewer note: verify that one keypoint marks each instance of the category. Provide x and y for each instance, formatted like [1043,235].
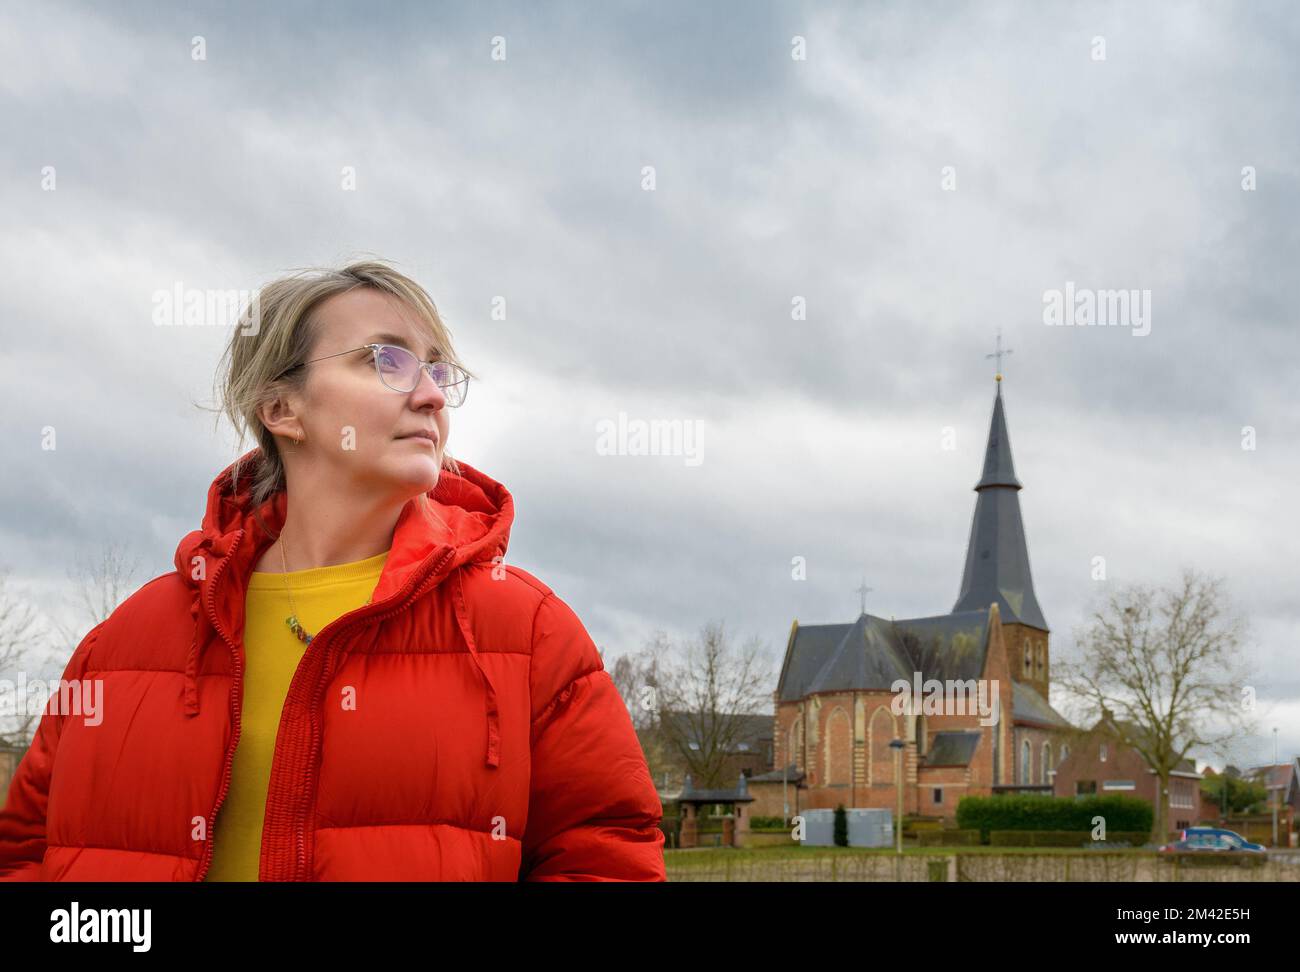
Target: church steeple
[999,470]
[997,557]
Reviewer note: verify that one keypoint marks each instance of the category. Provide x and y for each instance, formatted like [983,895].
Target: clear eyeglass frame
[402,372]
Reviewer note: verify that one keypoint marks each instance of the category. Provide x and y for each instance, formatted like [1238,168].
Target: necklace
[301,633]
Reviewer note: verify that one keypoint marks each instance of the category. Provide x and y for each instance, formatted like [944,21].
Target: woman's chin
[420,474]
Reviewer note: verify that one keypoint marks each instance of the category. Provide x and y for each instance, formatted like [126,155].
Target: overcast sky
[920,179]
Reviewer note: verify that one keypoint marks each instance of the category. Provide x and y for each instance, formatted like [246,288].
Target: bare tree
[98,584]
[1167,664]
[22,638]
[704,699]
[637,678]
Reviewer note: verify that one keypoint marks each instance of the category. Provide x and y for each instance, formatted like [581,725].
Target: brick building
[1105,763]
[834,704]
[1281,782]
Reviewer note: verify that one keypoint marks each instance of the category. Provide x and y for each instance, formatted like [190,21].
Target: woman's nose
[426,389]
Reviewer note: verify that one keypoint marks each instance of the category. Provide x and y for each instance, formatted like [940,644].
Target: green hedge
[1034,812]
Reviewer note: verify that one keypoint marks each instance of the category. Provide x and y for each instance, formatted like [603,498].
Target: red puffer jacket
[485,740]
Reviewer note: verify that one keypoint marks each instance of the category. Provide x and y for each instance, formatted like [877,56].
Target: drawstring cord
[493,722]
[192,662]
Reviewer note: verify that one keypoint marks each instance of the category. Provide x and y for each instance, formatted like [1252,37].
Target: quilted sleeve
[22,821]
[593,812]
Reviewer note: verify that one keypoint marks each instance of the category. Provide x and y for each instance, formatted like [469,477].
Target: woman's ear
[278,416]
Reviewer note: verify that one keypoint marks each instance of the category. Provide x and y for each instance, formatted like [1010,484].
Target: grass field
[710,856]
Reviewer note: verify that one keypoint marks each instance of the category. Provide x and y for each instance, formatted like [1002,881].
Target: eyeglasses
[399,370]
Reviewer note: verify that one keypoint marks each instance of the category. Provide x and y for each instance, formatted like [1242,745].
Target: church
[837,704]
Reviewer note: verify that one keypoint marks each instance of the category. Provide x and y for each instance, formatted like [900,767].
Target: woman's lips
[421,438]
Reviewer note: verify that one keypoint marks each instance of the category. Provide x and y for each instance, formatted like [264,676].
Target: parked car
[1212,839]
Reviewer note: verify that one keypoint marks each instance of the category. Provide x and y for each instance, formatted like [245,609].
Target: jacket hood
[216,560]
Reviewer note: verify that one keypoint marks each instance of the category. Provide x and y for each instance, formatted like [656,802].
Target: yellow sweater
[271,656]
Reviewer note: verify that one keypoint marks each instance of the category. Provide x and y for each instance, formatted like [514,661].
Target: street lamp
[897,746]
[1276,793]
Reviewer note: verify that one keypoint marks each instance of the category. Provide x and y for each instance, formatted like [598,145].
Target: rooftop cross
[998,354]
[863,590]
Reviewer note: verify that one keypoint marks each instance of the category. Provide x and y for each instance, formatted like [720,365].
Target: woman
[341,680]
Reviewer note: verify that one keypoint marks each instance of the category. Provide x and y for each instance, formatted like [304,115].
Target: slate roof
[947,645]
[952,748]
[867,655]
[997,556]
[809,650]
[736,794]
[1028,705]
[871,653]
[792,775]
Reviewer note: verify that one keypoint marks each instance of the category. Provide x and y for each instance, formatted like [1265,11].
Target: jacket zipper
[411,592]
[210,604]
[236,705]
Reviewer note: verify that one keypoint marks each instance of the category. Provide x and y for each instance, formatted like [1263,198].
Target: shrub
[1033,812]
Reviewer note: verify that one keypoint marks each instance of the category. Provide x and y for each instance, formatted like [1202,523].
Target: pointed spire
[999,470]
[997,557]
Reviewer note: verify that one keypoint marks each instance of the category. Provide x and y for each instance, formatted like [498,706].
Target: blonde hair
[276,333]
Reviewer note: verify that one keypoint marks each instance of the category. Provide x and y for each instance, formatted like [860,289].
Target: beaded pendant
[299,631]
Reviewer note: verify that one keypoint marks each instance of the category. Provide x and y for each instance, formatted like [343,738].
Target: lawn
[712,856]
